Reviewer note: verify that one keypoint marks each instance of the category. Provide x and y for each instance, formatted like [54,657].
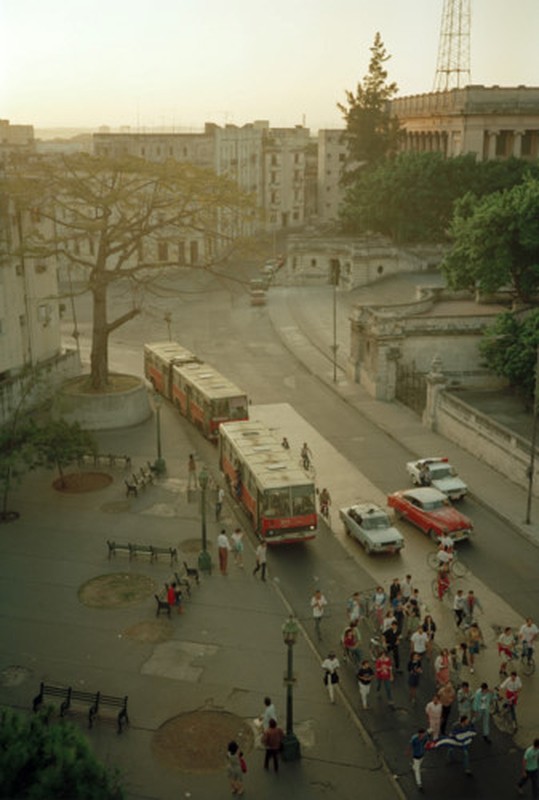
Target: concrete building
[490,122]
[332,151]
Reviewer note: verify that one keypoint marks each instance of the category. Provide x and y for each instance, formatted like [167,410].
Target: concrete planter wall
[120,409]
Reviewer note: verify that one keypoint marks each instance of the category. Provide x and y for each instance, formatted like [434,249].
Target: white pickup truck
[439,473]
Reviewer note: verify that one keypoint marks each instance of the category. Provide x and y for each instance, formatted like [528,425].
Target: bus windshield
[303,500]
[276,503]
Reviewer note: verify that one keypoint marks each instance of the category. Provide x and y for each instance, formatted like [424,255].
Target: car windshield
[432,505]
[438,472]
[376,523]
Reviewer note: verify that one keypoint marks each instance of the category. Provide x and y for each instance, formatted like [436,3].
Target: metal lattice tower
[453,67]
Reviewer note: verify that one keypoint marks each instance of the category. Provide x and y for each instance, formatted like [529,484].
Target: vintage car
[371,526]
[439,473]
[430,511]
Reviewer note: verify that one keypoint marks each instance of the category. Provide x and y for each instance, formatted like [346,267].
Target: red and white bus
[159,358]
[272,487]
[204,396]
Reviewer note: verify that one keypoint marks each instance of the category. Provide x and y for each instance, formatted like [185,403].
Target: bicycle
[504,712]
[376,647]
[446,591]
[527,660]
[456,567]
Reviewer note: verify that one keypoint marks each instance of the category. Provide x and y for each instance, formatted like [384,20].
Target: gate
[411,387]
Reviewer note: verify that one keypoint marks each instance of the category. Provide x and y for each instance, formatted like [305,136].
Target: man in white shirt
[418,642]
[527,635]
[261,559]
[318,604]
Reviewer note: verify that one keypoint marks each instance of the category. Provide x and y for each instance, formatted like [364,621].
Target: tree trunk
[99,357]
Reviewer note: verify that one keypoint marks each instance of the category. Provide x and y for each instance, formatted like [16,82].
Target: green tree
[44,761]
[371,132]
[509,348]
[125,221]
[58,444]
[495,242]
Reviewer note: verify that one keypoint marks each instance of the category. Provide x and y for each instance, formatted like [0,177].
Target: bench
[130,488]
[94,701]
[182,577]
[142,549]
[162,605]
[105,460]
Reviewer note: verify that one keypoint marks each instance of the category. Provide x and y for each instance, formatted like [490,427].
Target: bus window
[276,503]
[220,408]
[303,500]
[238,407]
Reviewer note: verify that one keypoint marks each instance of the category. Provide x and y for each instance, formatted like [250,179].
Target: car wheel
[432,535]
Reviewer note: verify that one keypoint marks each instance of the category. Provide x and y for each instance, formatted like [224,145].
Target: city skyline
[177,66]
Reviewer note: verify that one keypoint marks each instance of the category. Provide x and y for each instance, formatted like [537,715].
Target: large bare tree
[112,220]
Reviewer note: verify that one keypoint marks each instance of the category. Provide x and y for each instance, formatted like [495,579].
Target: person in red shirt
[384,676]
[272,740]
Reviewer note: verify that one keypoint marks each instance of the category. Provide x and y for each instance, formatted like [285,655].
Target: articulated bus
[274,490]
[198,391]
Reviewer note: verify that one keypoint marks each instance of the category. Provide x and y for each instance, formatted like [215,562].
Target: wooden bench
[92,701]
[162,605]
[130,488]
[105,460]
[142,549]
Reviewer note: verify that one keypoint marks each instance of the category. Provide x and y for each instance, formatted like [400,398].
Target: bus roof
[208,381]
[171,351]
[272,466]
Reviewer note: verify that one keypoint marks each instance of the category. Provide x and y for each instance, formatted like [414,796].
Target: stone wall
[496,445]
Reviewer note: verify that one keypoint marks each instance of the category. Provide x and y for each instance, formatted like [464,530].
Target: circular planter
[124,405]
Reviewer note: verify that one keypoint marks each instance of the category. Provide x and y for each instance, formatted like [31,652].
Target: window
[91,246]
[44,313]
[274,161]
[40,267]
[193,252]
[162,251]
[181,253]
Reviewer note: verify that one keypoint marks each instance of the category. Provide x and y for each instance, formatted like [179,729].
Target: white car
[371,526]
[439,473]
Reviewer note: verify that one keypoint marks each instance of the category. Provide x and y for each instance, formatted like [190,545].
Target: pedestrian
[460,739]
[379,601]
[224,548]
[191,472]
[447,695]
[406,589]
[415,671]
[353,607]
[530,763]
[384,676]
[392,638]
[365,676]
[174,597]
[394,590]
[400,617]
[459,607]
[417,748]
[442,666]
[285,443]
[318,604]
[464,700]
[272,741]
[418,642]
[261,556]
[433,710]
[455,666]
[429,626]
[388,619]
[472,605]
[237,547]
[219,503]
[413,611]
[351,642]
[474,641]
[506,649]
[268,714]
[481,704]
[331,665]
[234,768]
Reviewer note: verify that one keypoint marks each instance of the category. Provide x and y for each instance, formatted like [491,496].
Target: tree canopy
[371,132]
[411,198]
[111,220]
[509,348]
[495,241]
[41,760]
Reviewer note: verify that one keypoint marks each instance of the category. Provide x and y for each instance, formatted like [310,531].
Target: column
[517,143]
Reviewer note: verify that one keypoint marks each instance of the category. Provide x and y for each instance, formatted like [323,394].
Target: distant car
[431,511]
[371,526]
[439,473]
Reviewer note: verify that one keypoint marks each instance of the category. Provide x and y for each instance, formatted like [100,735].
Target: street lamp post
[159,464]
[291,745]
[335,274]
[204,558]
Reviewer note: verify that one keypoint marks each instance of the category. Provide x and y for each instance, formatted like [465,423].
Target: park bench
[93,702]
[105,460]
[142,479]
[130,488]
[162,605]
[142,549]
[182,577]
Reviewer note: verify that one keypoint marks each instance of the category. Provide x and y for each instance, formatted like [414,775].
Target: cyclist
[510,690]
[325,502]
[306,456]
[506,648]
[444,581]
[351,642]
[445,556]
[528,634]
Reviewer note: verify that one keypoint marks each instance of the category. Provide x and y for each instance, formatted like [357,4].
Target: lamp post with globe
[159,465]
[204,558]
[291,745]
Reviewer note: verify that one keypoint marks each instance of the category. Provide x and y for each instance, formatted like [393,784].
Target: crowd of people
[402,641]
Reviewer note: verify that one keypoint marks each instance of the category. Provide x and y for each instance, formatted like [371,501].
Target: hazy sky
[183,62]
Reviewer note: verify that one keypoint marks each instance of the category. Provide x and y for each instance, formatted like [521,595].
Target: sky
[181,63]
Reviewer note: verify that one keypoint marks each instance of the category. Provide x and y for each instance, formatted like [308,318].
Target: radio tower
[453,67]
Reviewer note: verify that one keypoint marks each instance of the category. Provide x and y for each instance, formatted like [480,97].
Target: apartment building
[332,153]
